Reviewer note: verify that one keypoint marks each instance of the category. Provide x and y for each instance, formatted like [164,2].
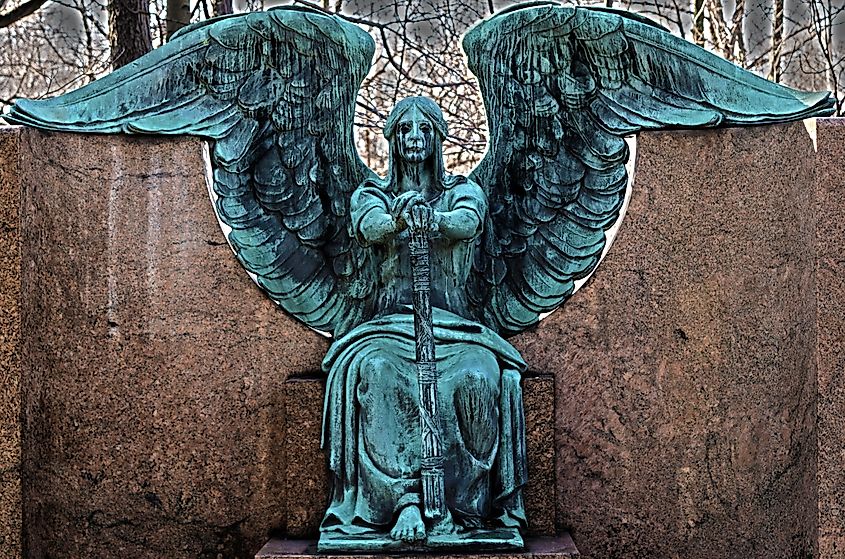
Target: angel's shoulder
[463,192]
[459,186]
[371,186]
[369,194]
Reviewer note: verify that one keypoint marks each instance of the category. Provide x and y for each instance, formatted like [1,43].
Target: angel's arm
[372,222]
[464,219]
[458,225]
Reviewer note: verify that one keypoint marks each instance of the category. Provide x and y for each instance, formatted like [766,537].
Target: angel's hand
[421,217]
[404,201]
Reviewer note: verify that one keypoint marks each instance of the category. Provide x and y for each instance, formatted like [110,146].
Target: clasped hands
[411,210]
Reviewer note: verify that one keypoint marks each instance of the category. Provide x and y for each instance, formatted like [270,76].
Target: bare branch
[22,11]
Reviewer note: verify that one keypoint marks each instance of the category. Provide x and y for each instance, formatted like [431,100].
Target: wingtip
[18,114]
[820,104]
[8,117]
[815,104]
[50,115]
[26,113]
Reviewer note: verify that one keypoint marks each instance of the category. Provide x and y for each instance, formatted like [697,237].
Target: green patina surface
[422,384]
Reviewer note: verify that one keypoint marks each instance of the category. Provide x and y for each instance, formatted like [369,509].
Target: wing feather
[276,92]
[562,86]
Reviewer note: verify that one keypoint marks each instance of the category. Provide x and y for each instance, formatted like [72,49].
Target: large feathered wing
[276,92]
[562,87]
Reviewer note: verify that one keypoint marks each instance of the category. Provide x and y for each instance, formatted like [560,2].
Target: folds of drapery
[356,505]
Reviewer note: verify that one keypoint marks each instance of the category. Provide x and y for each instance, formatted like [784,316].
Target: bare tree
[129,30]
[736,42]
[222,7]
[777,41]
[830,62]
[419,54]
[56,49]
[19,12]
[698,22]
[793,41]
[178,15]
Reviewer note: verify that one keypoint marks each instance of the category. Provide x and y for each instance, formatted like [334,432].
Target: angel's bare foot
[409,526]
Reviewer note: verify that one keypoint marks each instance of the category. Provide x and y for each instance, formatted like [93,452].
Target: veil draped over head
[432,112]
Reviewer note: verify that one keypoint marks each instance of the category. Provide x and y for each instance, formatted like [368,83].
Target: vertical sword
[434,502]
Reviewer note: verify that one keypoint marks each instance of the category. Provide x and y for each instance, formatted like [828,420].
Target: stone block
[307,479]
[152,401]
[830,298]
[10,439]
[685,369]
[538,398]
[557,547]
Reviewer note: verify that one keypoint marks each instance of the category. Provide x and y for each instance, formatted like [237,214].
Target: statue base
[501,539]
[558,547]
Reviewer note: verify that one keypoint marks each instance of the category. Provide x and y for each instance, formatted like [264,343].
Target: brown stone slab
[550,547]
[152,402]
[685,369]
[10,438]
[307,478]
[538,398]
[155,400]
[830,297]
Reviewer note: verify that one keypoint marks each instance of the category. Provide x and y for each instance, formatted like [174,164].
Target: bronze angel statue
[421,275]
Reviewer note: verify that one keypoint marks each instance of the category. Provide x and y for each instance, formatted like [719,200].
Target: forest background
[48,47]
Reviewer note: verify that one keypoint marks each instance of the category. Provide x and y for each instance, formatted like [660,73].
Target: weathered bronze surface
[420,275]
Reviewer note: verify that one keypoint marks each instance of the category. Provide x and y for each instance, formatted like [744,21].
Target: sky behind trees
[49,47]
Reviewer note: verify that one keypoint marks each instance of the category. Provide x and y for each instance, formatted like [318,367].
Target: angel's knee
[476,402]
[375,368]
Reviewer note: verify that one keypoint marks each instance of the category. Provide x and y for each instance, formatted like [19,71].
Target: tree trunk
[720,35]
[178,16]
[737,44]
[698,22]
[222,7]
[129,30]
[777,42]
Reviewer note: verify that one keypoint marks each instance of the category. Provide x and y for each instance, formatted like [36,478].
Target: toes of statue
[409,526]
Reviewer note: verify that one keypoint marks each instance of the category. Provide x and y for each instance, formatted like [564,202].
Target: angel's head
[415,130]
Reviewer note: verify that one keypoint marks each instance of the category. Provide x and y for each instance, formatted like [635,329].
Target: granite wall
[830,299]
[10,440]
[157,415]
[154,368]
[686,369]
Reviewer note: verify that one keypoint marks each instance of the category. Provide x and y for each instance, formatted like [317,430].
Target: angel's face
[415,135]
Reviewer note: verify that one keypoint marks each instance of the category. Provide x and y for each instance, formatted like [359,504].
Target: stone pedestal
[557,547]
